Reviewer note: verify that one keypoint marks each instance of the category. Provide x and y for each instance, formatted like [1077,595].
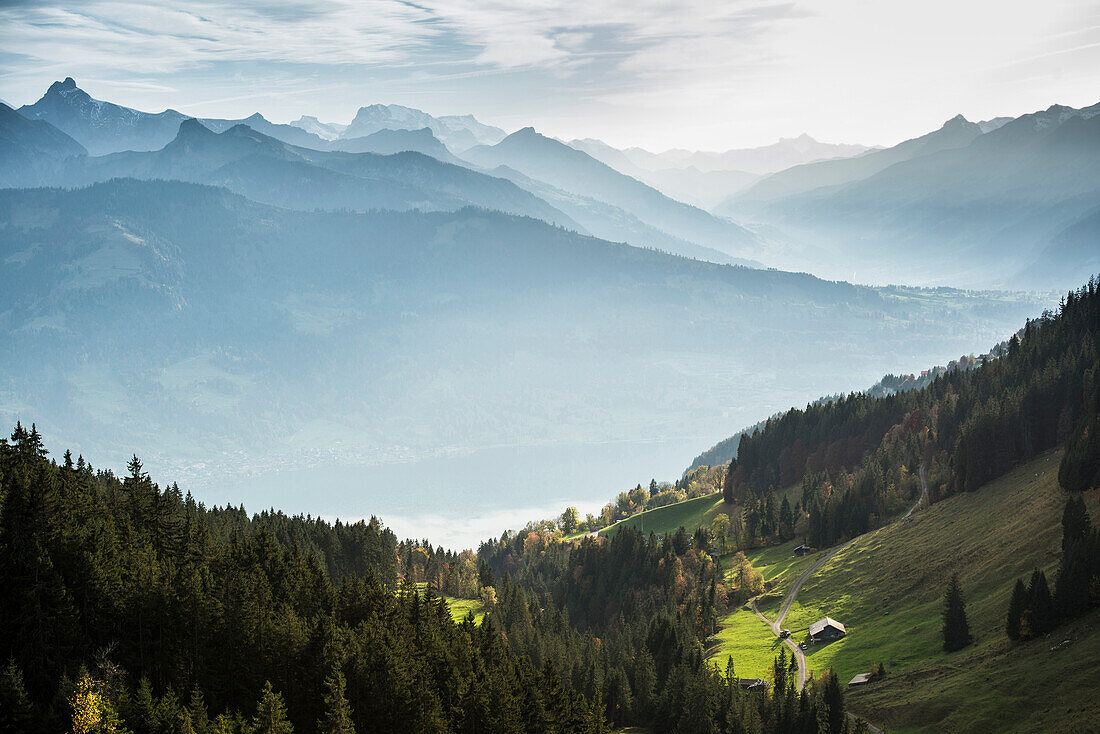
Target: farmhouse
[802,550]
[826,629]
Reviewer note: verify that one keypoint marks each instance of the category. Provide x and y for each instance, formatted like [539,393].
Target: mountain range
[104,127]
[277,305]
[279,164]
[706,179]
[981,204]
[207,325]
[568,169]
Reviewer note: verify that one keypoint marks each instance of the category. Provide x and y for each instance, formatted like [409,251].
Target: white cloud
[655,72]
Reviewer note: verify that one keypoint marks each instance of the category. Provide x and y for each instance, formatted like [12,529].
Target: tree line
[1035,609]
[858,457]
[131,608]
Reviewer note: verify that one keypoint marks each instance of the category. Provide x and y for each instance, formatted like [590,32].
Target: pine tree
[338,718]
[1075,522]
[1017,605]
[270,715]
[956,628]
[15,706]
[833,699]
[1041,616]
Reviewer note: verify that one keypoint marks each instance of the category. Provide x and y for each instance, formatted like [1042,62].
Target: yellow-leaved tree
[92,711]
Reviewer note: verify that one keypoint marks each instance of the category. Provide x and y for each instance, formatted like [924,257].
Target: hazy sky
[709,74]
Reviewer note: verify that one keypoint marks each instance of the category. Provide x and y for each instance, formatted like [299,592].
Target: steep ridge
[102,127]
[274,172]
[32,152]
[955,133]
[1009,205]
[568,169]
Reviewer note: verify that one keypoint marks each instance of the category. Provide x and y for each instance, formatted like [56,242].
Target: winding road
[777,625]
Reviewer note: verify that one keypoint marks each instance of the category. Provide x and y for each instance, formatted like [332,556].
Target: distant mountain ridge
[761,160]
[274,172]
[32,152]
[458,132]
[102,127]
[569,169]
[955,133]
[105,127]
[1013,206]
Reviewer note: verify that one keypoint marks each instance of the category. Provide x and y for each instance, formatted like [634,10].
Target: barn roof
[819,626]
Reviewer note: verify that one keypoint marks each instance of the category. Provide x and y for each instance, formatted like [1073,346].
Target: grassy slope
[888,586]
[741,633]
[689,514]
[459,607]
[748,641]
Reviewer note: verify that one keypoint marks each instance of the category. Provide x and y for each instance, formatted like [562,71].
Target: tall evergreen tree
[1075,521]
[270,717]
[1041,615]
[1017,605]
[956,628]
[338,718]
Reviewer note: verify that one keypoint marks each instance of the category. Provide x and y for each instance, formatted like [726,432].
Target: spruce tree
[833,700]
[270,715]
[956,628]
[15,707]
[1017,605]
[1041,616]
[1075,522]
[337,710]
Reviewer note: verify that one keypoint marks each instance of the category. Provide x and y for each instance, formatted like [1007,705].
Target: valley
[389,416]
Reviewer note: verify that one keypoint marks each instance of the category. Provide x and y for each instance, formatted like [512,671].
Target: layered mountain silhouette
[458,132]
[764,159]
[33,152]
[388,141]
[102,127]
[993,203]
[208,325]
[1010,206]
[688,184]
[568,169]
[271,171]
[955,133]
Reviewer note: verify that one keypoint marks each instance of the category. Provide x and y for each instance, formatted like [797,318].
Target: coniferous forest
[131,608]
[858,459]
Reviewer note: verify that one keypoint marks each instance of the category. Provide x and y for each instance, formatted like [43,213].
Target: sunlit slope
[887,588]
[689,514]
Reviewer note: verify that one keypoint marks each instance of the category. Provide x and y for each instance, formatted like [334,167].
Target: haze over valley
[461,367]
[306,309]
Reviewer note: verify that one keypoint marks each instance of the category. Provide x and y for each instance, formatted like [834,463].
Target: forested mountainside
[404,331]
[857,458]
[726,450]
[134,608]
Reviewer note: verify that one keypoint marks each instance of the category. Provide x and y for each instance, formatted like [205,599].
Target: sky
[696,74]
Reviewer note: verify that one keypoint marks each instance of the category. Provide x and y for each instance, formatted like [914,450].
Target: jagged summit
[65,86]
[191,127]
